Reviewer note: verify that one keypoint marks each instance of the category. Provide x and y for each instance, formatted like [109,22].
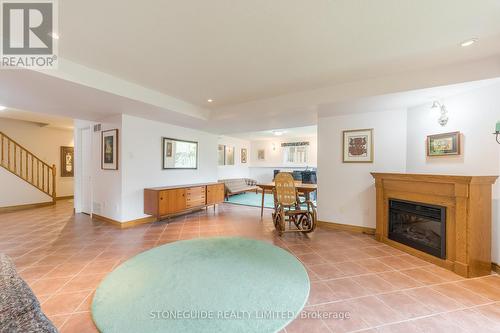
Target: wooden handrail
[17,161]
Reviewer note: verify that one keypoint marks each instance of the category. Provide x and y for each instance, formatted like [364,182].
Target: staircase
[24,164]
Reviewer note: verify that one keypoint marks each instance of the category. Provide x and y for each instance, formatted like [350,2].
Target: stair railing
[27,166]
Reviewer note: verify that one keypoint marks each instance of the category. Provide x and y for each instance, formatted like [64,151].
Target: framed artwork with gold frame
[243,155]
[67,162]
[443,144]
[358,146]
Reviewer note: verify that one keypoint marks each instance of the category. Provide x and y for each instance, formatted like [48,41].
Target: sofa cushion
[19,308]
[6,266]
[29,322]
[239,185]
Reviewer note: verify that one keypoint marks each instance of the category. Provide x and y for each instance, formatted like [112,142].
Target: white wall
[238,170]
[119,194]
[346,191]
[45,143]
[262,171]
[473,114]
[107,185]
[141,165]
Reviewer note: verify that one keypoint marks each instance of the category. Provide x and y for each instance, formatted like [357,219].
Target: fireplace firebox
[419,225]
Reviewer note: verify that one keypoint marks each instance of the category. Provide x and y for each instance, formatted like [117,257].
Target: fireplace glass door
[419,225]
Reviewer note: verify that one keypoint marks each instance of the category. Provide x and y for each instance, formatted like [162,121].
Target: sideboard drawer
[195,191]
[195,203]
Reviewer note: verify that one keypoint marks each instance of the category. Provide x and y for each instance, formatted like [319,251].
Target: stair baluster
[12,160]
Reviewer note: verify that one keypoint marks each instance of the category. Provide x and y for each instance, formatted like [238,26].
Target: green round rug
[203,285]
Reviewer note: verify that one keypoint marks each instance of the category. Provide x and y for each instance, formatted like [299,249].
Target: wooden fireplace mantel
[468,216]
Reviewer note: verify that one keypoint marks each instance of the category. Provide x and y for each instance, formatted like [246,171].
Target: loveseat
[238,185]
[20,310]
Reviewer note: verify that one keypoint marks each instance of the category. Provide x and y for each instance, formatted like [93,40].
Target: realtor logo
[29,37]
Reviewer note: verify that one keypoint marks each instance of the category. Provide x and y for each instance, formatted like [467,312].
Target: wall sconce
[497,132]
[443,119]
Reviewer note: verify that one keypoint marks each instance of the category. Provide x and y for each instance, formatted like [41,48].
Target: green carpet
[252,199]
[203,285]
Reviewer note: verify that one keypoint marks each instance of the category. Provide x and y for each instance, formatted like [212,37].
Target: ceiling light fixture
[468,42]
[2,107]
[443,119]
[210,100]
[278,133]
[54,35]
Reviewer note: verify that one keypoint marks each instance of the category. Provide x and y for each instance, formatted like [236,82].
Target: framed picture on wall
[179,154]
[358,146]
[229,155]
[261,154]
[243,155]
[109,149]
[443,144]
[67,162]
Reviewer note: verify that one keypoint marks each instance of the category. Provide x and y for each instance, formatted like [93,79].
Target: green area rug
[203,285]
[252,199]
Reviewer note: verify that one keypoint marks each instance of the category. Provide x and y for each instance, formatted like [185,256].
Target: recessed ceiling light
[2,107]
[54,35]
[468,42]
[210,100]
[278,133]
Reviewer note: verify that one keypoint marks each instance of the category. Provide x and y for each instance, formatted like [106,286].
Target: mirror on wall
[180,154]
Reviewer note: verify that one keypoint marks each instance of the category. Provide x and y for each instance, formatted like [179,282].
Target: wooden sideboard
[167,201]
[467,200]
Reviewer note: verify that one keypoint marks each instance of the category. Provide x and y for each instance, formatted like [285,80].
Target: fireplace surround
[467,217]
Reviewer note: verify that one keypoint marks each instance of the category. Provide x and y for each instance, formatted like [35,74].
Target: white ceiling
[266,64]
[237,51]
[33,91]
[402,100]
[286,133]
[41,119]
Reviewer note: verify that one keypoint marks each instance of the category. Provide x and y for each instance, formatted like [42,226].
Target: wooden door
[215,194]
[179,200]
[220,193]
[211,194]
[163,202]
[171,201]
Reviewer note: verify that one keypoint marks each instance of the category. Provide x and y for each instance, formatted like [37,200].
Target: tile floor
[64,256]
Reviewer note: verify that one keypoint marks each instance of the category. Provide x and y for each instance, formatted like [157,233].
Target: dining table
[302,188]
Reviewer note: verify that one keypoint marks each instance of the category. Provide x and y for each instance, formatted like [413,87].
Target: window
[221,155]
[296,154]
[225,155]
